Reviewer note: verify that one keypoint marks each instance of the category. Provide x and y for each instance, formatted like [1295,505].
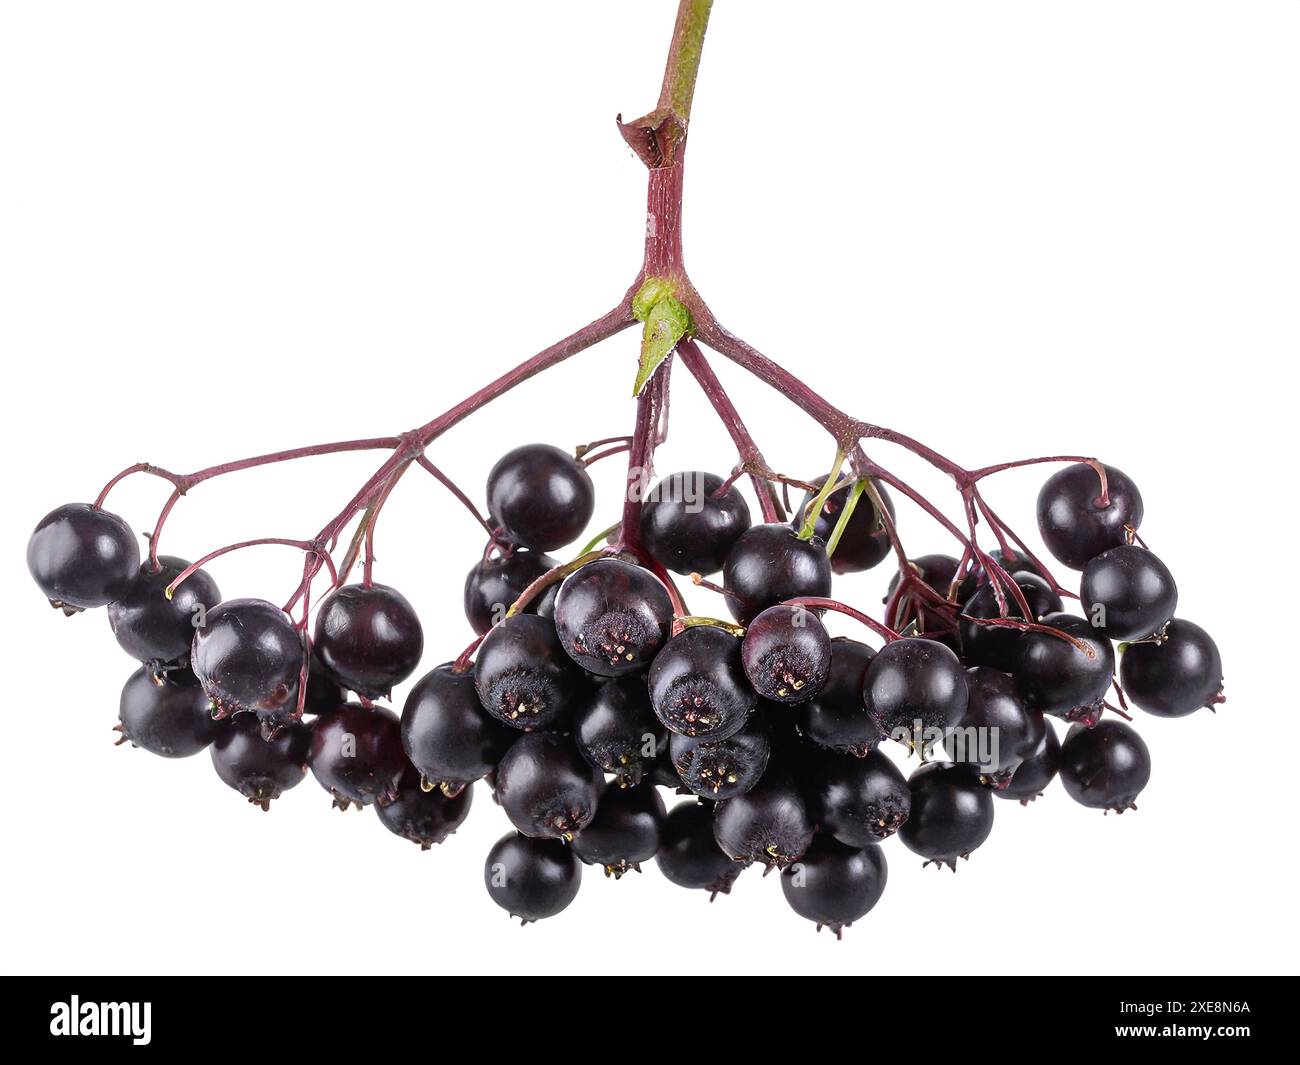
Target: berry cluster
[590,687]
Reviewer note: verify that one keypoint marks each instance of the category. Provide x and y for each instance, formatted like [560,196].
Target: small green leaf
[666,323]
[652,290]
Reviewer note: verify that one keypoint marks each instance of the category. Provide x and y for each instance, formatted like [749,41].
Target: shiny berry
[447,734]
[540,497]
[369,638]
[1128,593]
[1031,777]
[835,718]
[1076,526]
[357,756]
[698,686]
[770,564]
[260,769]
[770,823]
[152,628]
[495,582]
[865,540]
[612,617]
[1175,676]
[424,817]
[522,674]
[625,831]
[166,713]
[82,556]
[1105,767]
[531,879]
[914,683]
[997,646]
[857,800]
[689,855]
[248,656]
[616,730]
[689,526]
[786,653]
[722,769]
[546,787]
[952,814]
[1056,676]
[834,885]
[997,732]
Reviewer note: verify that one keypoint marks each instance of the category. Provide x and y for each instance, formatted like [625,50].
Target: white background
[1005,228]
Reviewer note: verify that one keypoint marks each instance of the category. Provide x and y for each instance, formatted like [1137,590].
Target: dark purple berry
[625,831]
[357,756]
[722,769]
[1128,593]
[612,617]
[689,855]
[1175,676]
[523,675]
[786,653]
[998,646]
[369,638]
[154,629]
[914,685]
[1058,677]
[770,564]
[834,885]
[540,497]
[248,656]
[260,769]
[937,572]
[447,734]
[546,787]
[424,817]
[698,686]
[1031,777]
[495,582]
[82,556]
[688,527]
[835,718]
[997,732]
[865,540]
[952,814]
[616,730]
[857,800]
[531,879]
[1075,525]
[769,823]
[1105,767]
[166,713]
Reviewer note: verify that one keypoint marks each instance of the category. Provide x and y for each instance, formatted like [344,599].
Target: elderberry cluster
[591,689]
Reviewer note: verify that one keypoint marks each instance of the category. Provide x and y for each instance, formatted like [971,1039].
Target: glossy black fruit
[698,686]
[531,879]
[357,756]
[166,714]
[369,638]
[865,541]
[523,675]
[546,787]
[1031,777]
[998,646]
[1075,525]
[248,656]
[447,734]
[616,730]
[625,831]
[857,800]
[259,769]
[786,653]
[152,628]
[770,823]
[770,564]
[540,497]
[997,732]
[1105,767]
[689,856]
[612,617]
[424,817]
[688,527]
[1128,593]
[722,769]
[952,814]
[81,556]
[937,571]
[1057,677]
[834,885]
[835,718]
[1176,676]
[912,686]
[494,584]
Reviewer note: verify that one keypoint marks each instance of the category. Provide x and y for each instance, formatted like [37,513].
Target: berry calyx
[523,675]
[612,617]
[786,653]
[722,769]
[698,686]
[617,731]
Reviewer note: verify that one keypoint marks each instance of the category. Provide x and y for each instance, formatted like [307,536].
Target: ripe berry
[546,787]
[248,656]
[698,686]
[625,831]
[857,800]
[522,674]
[259,769]
[369,638]
[951,814]
[1055,676]
[1105,767]
[357,756]
[786,653]
[1031,777]
[612,617]
[997,646]
[910,681]
[865,541]
[494,584]
[1075,525]
[689,855]
[154,629]
[835,717]
[447,734]
[616,730]
[722,769]
[687,526]
[768,824]
[770,564]
[324,693]
[531,879]
[834,885]
[166,714]
[1128,593]
[424,817]
[540,497]
[937,571]
[1175,676]
[998,731]
[81,557]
